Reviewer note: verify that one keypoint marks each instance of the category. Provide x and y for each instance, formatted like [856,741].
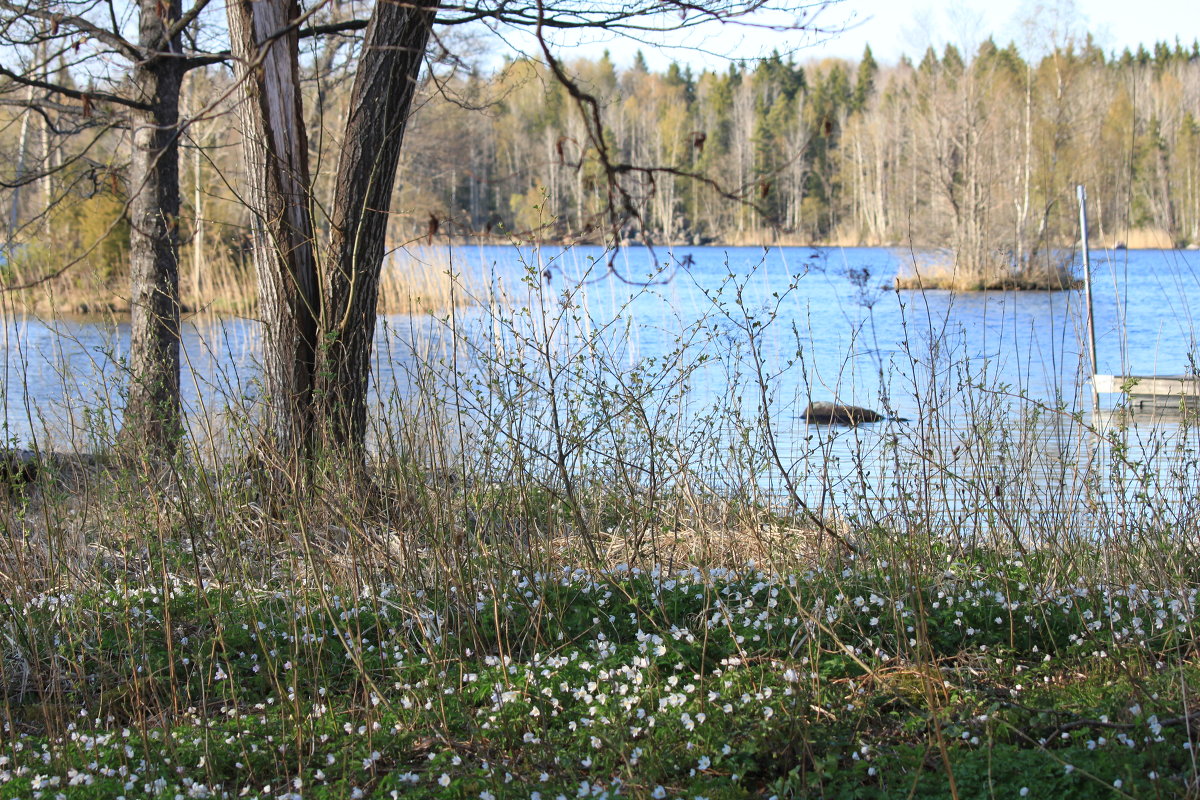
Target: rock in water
[839,414]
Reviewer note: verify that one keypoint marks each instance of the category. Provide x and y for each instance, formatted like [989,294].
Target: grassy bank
[624,596]
[369,667]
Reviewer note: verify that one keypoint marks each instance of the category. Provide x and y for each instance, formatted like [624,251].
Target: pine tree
[864,81]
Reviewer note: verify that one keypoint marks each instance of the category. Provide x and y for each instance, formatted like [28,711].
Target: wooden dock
[1156,393]
[1155,389]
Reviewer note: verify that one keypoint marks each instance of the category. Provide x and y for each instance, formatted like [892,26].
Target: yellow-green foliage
[529,209]
[94,230]
[102,228]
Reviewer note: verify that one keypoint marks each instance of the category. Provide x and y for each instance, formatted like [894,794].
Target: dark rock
[839,414]
[18,467]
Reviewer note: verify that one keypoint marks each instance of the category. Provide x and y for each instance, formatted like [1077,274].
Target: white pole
[1087,286]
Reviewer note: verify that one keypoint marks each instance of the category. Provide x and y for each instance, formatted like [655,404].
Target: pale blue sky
[893,27]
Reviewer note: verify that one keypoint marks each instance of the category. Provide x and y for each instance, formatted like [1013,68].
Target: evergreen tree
[864,80]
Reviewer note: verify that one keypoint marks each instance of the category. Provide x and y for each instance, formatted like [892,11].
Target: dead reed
[943,270]
[413,281]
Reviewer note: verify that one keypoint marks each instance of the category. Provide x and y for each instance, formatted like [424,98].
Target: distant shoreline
[497,241]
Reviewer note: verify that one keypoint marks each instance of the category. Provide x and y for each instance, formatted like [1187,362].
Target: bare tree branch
[56,20]
[187,19]
[75,94]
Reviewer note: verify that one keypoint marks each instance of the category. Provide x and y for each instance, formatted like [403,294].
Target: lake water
[693,343]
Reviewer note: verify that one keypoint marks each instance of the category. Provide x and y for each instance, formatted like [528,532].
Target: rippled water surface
[991,385]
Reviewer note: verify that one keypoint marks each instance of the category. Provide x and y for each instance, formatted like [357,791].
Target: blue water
[852,329]
[805,323]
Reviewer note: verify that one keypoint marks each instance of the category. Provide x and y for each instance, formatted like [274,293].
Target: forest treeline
[978,153]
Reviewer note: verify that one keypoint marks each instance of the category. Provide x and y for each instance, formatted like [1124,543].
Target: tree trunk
[275,147]
[48,170]
[194,107]
[14,214]
[152,414]
[390,63]
[1163,168]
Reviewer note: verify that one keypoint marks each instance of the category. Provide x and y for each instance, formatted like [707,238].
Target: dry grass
[1142,239]
[413,282]
[419,281]
[942,270]
[86,523]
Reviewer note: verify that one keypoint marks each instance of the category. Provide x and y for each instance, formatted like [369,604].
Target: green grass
[459,623]
[857,682]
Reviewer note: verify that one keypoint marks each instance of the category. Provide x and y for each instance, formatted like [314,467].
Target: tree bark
[384,85]
[275,147]
[14,214]
[194,107]
[152,413]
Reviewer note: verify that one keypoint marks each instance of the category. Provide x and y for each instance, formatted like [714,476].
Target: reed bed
[943,270]
[414,281]
[563,579]
[1143,239]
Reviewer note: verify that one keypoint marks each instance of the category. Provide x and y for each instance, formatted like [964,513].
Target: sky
[894,27]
